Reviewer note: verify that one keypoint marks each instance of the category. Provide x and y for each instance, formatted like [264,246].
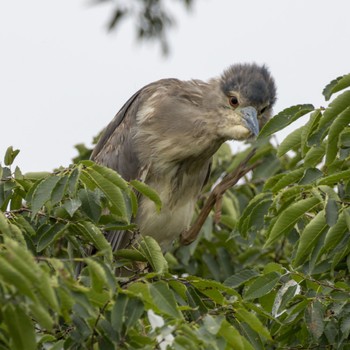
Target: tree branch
[227,182]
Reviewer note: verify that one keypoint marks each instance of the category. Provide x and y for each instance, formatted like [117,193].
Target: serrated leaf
[10,155]
[59,189]
[337,106]
[97,275]
[308,129]
[73,180]
[112,192]
[309,237]
[290,142]
[72,205]
[90,203]
[334,178]
[43,193]
[148,192]
[53,233]
[253,322]
[345,138]
[288,178]
[331,211]
[133,312]
[151,250]
[262,286]
[164,298]
[310,176]
[20,328]
[212,324]
[314,317]
[233,338]
[94,234]
[335,130]
[289,217]
[130,254]
[314,155]
[111,175]
[243,221]
[336,85]
[284,118]
[240,278]
[336,233]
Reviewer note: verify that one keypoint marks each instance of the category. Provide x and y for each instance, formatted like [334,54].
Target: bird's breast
[178,202]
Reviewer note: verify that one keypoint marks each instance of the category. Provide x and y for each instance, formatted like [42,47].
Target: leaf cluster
[270,269]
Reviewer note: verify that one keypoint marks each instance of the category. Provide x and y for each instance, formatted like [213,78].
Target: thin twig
[227,182]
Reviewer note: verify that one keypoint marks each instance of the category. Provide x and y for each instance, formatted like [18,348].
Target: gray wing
[115,150]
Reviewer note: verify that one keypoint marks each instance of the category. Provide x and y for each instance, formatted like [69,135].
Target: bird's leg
[188,236]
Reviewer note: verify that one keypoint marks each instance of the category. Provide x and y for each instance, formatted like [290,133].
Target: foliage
[272,274]
[152,18]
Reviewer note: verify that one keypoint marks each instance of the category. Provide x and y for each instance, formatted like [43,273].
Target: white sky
[63,77]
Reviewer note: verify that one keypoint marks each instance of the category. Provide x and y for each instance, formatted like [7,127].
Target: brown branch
[227,182]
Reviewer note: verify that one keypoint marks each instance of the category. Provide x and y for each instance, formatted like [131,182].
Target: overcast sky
[63,77]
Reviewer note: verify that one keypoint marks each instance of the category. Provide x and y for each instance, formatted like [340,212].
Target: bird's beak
[249,116]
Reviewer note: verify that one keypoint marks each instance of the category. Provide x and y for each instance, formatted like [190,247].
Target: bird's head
[245,94]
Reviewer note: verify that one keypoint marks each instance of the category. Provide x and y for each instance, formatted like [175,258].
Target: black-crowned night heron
[167,133]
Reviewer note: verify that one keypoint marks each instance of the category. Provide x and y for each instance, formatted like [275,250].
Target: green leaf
[335,130]
[331,211]
[284,118]
[333,110]
[112,192]
[134,310]
[111,175]
[314,155]
[73,180]
[292,141]
[345,138]
[12,277]
[334,178]
[118,313]
[59,189]
[309,237]
[148,192]
[308,129]
[245,217]
[94,235]
[212,324]
[336,85]
[72,205]
[98,275]
[253,322]
[310,176]
[289,217]
[233,338]
[90,203]
[10,155]
[262,286]
[164,298]
[20,328]
[288,178]
[336,233]
[151,250]
[314,317]
[130,254]
[53,233]
[43,193]
[240,278]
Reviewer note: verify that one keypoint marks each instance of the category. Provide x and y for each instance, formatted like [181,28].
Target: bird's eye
[263,110]
[234,101]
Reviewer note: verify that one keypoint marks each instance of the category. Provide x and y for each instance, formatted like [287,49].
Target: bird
[166,134]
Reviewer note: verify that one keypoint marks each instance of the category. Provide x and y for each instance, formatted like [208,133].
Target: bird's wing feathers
[116,148]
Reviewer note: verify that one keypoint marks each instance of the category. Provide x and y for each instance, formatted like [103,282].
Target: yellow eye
[234,101]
